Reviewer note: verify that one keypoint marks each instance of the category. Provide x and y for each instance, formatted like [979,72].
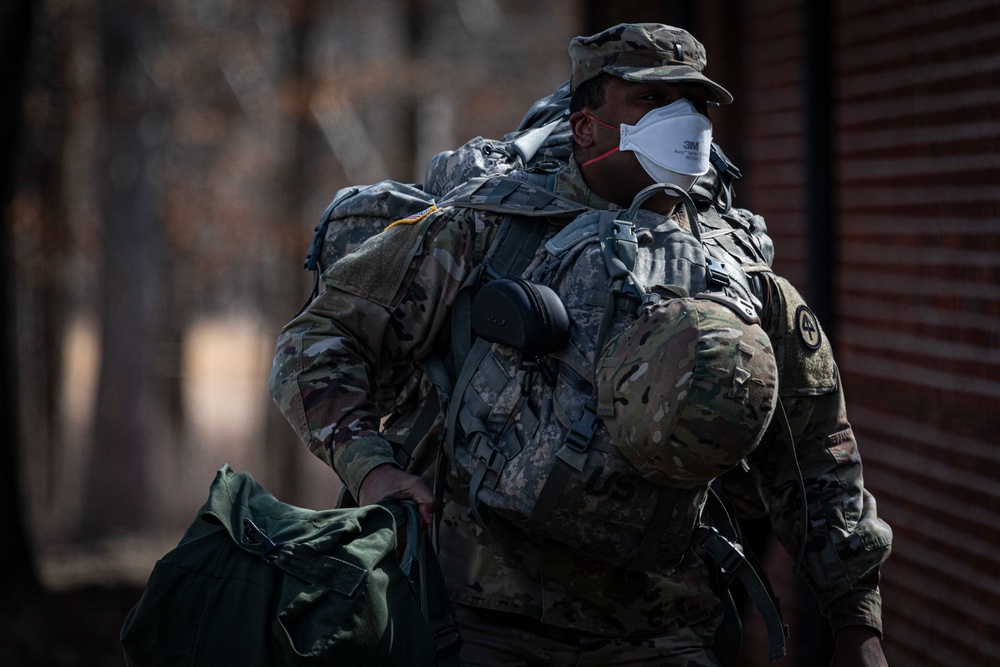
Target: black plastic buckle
[446,641]
[726,554]
[315,247]
[717,275]
[582,431]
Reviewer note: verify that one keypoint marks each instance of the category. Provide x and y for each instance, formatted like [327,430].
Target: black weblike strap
[730,558]
[419,563]
[656,531]
[572,456]
[512,250]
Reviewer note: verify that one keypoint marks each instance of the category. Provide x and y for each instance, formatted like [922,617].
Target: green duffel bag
[255,581]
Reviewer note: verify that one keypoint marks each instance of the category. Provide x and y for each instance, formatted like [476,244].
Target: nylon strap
[512,250]
[731,559]
[518,247]
[656,530]
[572,456]
[514,247]
[429,582]
[478,351]
[619,247]
[461,318]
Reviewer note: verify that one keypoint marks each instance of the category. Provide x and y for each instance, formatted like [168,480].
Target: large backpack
[524,433]
[542,143]
[537,148]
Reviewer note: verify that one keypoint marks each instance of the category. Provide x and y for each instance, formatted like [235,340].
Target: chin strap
[733,561]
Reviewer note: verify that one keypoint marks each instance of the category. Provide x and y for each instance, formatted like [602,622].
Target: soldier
[639,117]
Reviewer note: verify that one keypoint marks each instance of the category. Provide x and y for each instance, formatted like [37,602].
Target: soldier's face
[619,176]
[627,101]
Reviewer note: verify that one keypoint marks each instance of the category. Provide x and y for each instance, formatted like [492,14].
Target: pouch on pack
[522,315]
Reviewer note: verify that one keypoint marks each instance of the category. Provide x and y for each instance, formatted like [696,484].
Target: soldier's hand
[388,481]
[858,646]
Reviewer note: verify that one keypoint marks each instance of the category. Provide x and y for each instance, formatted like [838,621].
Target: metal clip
[254,535]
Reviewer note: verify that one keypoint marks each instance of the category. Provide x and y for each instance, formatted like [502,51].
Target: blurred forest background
[165,161]
[175,158]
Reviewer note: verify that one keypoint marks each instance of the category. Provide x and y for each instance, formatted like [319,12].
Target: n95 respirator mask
[672,143]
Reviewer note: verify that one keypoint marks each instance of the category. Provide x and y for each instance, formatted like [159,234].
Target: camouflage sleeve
[843,542]
[338,364]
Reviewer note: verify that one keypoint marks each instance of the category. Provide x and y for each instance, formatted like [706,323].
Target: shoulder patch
[375,270]
[805,358]
[808,326]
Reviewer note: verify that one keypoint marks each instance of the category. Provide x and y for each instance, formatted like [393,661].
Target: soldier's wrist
[353,460]
[856,609]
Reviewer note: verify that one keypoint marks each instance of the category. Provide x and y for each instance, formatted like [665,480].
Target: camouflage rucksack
[525,432]
[540,145]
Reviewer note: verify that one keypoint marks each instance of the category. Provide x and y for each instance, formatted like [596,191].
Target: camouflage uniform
[340,366]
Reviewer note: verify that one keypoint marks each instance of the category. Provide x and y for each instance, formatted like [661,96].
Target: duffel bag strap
[419,563]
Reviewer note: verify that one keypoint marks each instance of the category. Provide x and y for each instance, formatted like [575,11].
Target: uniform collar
[570,184]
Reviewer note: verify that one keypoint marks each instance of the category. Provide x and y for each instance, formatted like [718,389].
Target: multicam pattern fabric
[342,363]
[643,52]
[691,387]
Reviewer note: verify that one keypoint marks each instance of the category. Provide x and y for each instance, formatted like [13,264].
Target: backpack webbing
[722,546]
[516,244]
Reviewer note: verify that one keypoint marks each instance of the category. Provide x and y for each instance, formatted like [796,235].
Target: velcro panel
[376,269]
[804,355]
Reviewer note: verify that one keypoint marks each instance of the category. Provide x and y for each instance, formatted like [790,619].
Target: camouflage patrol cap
[693,386]
[643,52]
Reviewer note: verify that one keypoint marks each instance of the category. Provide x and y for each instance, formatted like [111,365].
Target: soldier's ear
[583,129]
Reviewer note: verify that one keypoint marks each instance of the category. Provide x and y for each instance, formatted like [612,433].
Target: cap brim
[672,74]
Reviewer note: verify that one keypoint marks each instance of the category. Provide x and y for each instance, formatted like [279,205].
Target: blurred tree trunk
[45,304]
[127,414]
[281,445]
[18,574]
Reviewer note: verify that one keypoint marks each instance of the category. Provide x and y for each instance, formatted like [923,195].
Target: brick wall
[915,168]
[917,175]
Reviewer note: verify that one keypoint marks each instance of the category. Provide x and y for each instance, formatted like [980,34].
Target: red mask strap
[601,122]
[602,155]
[599,157]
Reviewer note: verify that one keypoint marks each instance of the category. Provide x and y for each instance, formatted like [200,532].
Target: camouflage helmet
[688,389]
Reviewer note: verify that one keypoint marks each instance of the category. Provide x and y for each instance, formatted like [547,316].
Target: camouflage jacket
[341,364]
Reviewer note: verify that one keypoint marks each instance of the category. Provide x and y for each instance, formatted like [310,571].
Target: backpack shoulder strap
[523,198]
[522,194]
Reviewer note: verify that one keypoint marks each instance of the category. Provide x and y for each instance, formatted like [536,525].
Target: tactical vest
[494,408]
[524,435]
